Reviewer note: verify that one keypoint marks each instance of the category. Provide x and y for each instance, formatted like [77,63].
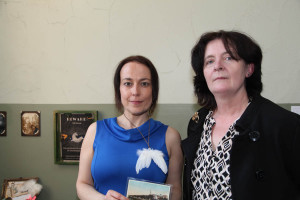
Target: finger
[117,195]
[111,194]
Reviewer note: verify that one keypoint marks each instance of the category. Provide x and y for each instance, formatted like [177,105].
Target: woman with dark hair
[132,145]
[239,145]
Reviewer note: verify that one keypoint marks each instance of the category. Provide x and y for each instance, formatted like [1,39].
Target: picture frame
[144,190]
[3,123]
[13,187]
[69,131]
[30,123]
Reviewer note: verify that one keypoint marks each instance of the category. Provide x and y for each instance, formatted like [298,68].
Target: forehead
[214,46]
[135,70]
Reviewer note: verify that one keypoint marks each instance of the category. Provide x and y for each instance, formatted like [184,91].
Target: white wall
[65,51]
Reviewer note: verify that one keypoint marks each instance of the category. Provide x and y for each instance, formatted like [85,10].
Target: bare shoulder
[173,139]
[173,143]
[172,134]
[92,128]
[90,135]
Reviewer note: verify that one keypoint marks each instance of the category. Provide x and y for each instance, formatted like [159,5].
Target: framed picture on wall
[16,188]
[3,123]
[30,123]
[69,129]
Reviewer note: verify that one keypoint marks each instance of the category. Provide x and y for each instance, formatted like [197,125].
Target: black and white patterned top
[210,176]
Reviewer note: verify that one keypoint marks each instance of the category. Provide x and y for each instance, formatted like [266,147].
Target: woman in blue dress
[132,145]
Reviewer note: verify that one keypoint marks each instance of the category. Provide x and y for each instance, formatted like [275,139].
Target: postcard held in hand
[141,189]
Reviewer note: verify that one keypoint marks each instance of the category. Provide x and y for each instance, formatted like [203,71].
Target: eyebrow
[209,56]
[142,79]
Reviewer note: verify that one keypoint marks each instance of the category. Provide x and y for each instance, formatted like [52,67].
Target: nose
[218,65]
[135,90]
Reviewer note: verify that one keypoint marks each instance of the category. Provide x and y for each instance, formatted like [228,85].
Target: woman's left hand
[113,195]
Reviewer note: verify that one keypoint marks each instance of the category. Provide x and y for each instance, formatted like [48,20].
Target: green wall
[34,156]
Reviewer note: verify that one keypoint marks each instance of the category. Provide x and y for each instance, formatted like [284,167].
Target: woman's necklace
[147,155]
[148,143]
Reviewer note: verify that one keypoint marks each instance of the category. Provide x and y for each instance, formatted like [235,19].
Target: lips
[220,78]
[136,102]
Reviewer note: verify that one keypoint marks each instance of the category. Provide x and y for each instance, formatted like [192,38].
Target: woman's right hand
[113,195]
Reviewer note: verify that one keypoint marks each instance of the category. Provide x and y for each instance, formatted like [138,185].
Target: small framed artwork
[30,123]
[16,188]
[3,123]
[69,131]
[140,189]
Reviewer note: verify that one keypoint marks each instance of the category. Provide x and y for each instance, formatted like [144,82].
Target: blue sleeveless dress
[115,154]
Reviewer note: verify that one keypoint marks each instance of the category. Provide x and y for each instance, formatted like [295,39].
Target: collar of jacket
[249,114]
[195,128]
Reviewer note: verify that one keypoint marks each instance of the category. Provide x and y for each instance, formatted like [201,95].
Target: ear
[250,70]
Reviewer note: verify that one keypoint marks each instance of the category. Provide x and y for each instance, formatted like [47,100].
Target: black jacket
[265,156]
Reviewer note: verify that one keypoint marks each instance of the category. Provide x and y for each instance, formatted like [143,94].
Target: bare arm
[85,184]
[173,142]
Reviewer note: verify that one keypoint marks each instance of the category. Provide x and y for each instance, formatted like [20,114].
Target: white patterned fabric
[210,176]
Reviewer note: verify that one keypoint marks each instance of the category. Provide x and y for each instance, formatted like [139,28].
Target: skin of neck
[231,105]
[133,121]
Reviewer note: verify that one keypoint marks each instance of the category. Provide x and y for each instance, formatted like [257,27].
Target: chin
[220,91]
[137,112]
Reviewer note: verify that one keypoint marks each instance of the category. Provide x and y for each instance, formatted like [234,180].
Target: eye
[208,62]
[145,84]
[228,57]
[127,83]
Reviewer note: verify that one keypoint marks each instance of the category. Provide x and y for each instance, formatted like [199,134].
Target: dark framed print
[16,188]
[30,123]
[3,121]
[69,129]
[140,189]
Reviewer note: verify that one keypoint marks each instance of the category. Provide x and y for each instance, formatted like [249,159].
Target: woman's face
[223,74]
[135,88]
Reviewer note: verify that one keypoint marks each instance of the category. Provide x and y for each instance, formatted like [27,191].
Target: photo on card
[145,190]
